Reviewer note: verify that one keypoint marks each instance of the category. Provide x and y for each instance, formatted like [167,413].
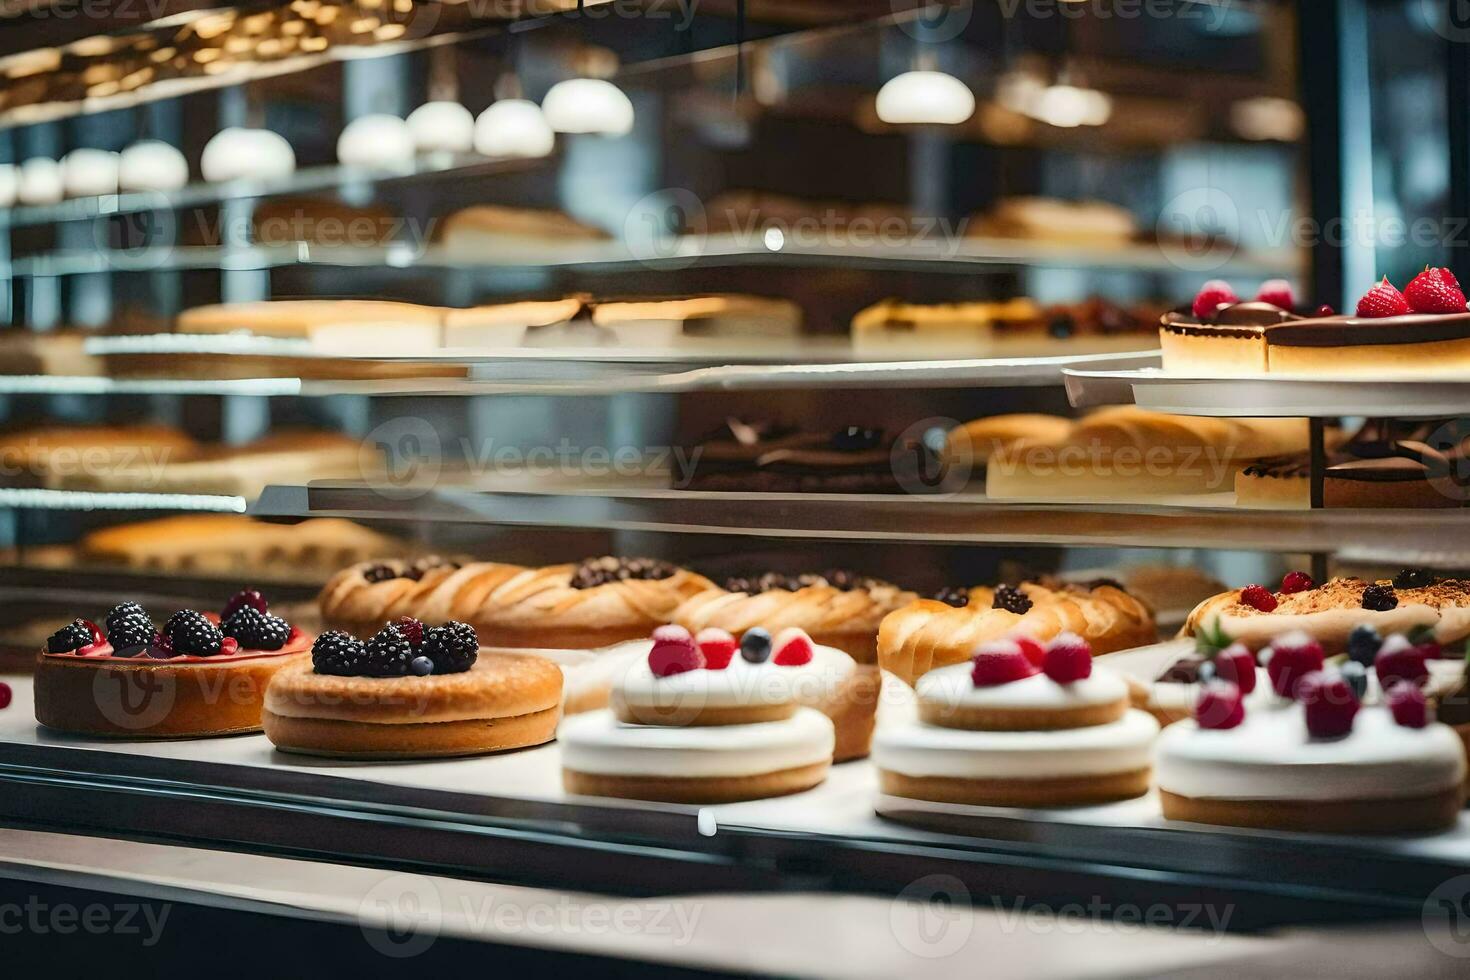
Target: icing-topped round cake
[1020,725]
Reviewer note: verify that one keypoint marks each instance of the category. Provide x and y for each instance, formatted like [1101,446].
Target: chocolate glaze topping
[1286,329]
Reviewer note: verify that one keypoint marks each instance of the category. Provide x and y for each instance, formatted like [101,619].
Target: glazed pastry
[772,459]
[299,317]
[412,691]
[595,604]
[915,329]
[1319,762]
[931,633]
[971,446]
[199,676]
[54,455]
[700,722]
[1020,726]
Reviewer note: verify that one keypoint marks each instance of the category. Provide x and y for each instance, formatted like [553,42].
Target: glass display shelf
[1205,521]
[23,498]
[507,817]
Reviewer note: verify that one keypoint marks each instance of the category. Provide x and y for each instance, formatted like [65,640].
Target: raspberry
[1363,644]
[1294,582]
[1000,662]
[245,597]
[452,648]
[412,630]
[1399,660]
[1211,296]
[129,631]
[1068,659]
[337,653]
[1329,702]
[1237,665]
[1382,300]
[1379,598]
[1413,578]
[673,652]
[1258,597]
[717,646]
[1219,707]
[1277,292]
[193,635]
[5,695]
[120,611]
[1033,651]
[1325,310]
[793,647]
[1435,291]
[72,636]
[255,630]
[755,646]
[387,654]
[1409,706]
[1293,656]
[1011,600]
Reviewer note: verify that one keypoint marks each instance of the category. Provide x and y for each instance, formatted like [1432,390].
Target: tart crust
[1420,813]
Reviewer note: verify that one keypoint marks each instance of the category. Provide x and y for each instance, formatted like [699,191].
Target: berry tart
[1020,724]
[931,633]
[1425,328]
[411,691]
[707,722]
[199,675]
[1320,760]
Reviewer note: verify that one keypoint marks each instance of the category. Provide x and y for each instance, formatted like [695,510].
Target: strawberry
[793,647]
[673,652]
[717,646]
[1211,296]
[1435,291]
[1277,292]
[1033,651]
[1237,665]
[1382,300]
[1068,659]
[1293,656]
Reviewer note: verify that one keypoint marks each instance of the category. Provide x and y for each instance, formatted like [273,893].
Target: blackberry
[337,653]
[452,647]
[118,612]
[129,631]
[1413,578]
[1379,598]
[256,630]
[379,573]
[1363,643]
[1011,599]
[953,596]
[73,636]
[387,654]
[603,571]
[193,635]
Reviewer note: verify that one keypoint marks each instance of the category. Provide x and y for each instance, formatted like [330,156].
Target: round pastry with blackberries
[199,674]
[411,690]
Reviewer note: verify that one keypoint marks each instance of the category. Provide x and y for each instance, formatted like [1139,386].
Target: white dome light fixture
[247,154]
[514,128]
[9,184]
[588,106]
[925,97]
[152,165]
[376,142]
[89,172]
[442,127]
[1067,106]
[40,181]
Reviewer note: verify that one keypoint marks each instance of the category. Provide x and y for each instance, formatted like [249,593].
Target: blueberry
[1206,671]
[419,666]
[1356,676]
[1363,643]
[755,645]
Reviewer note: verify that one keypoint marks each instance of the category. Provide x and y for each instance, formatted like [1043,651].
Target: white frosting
[1173,696]
[1271,757]
[741,684]
[951,687]
[929,750]
[597,742]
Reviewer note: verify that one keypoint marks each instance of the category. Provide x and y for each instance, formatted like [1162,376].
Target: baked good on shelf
[769,457]
[747,214]
[1050,219]
[54,456]
[931,633]
[969,447]
[1020,725]
[1423,331]
[532,323]
[411,691]
[322,221]
[1009,328]
[584,606]
[1318,760]
[299,317]
[199,675]
[1129,453]
[496,228]
[235,544]
[696,320]
[53,352]
[704,723]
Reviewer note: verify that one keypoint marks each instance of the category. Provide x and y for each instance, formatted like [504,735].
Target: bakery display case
[653,449]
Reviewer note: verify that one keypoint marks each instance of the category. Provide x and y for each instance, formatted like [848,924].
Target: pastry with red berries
[1422,329]
[411,691]
[197,675]
[708,720]
[1003,729]
[1321,760]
